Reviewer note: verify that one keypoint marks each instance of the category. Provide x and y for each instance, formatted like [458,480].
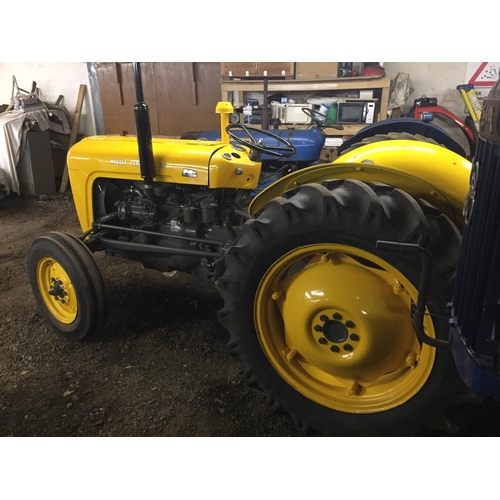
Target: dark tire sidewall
[261,252]
[47,248]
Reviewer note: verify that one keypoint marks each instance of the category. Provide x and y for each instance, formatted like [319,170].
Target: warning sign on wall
[485,75]
[482,75]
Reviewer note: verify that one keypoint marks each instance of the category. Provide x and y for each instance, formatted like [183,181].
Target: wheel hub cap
[56,290]
[342,314]
[335,331]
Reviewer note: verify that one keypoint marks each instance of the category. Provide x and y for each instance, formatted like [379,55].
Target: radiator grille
[477,288]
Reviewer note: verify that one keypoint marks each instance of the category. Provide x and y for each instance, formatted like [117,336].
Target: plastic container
[331,114]
[247,113]
[323,109]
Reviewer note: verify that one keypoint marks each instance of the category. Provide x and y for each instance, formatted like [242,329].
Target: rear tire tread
[364,212]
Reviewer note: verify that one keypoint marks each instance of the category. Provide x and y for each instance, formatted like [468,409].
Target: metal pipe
[144,136]
[100,226]
[265,109]
[109,244]
[423,288]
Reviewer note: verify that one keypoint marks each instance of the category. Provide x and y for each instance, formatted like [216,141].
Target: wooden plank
[74,133]
[307,85]
[177,113]
[240,69]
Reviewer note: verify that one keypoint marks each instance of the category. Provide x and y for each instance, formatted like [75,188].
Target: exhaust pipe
[144,136]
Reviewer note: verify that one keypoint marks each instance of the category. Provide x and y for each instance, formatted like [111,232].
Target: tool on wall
[74,133]
[472,103]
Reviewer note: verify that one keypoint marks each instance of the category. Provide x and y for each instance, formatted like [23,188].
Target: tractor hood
[211,164]
[118,150]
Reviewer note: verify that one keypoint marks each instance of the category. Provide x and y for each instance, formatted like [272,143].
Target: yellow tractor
[320,313]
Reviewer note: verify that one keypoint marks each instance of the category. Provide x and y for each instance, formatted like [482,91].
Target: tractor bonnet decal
[189,172]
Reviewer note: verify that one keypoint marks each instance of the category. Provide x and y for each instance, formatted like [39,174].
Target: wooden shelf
[351,83]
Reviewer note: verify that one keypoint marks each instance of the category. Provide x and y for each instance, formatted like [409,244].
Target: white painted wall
[53,79]
[433,79]
[436,79]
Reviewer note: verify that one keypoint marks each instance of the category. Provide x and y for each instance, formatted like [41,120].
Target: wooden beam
[74,133]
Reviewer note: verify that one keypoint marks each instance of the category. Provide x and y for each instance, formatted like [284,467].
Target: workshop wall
[436,79]
[53,79]
[433,79]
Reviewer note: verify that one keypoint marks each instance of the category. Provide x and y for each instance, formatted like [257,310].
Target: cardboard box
[316,70]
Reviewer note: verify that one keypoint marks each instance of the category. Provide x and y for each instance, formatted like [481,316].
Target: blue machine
[308,143]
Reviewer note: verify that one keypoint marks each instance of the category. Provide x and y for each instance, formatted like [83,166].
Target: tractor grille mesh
[478,281]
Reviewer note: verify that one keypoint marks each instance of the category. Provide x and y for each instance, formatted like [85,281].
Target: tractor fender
[402,125]
[423,170]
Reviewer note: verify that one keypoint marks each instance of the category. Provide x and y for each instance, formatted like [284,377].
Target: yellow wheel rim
[56,290]
[334,321]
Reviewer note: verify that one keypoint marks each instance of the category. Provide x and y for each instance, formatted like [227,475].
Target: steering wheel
[321,121]
[284,151]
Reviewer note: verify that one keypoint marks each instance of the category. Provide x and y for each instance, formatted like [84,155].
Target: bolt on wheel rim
[335,323]
[56,290]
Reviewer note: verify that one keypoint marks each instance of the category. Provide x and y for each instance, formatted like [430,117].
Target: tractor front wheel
[67,285]
[321,319]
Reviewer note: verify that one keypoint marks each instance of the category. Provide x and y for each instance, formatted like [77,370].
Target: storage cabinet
[181,96]
[233,91]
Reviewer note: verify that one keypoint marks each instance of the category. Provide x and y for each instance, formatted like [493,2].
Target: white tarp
[13,127]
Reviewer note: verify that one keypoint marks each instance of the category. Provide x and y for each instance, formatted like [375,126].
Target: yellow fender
[423,170]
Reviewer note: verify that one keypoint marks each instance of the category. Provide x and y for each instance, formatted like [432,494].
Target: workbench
[310,86]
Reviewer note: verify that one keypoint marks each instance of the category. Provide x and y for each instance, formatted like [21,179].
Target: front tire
[321,319]
[68,286]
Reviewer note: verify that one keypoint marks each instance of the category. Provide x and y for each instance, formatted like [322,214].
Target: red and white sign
[485,75]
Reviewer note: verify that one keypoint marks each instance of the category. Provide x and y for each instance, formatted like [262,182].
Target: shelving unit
[352,83]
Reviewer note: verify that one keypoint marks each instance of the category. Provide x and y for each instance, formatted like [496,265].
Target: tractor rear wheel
[391,136]
[67,285]
[321,319]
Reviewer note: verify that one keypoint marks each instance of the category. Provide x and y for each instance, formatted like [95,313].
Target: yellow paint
[212,164]
[374,374]
[49,272]
[224,109]
[423,170]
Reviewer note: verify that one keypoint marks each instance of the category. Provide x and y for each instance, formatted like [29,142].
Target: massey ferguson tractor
[340,281]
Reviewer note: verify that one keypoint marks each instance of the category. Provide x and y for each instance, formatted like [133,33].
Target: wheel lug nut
[323,318]
[354,336]
[318,328]
[348,347]
[337,316]
[334,348]
[322,340]
[349,324]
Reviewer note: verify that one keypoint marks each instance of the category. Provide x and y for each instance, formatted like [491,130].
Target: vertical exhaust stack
[144,136]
